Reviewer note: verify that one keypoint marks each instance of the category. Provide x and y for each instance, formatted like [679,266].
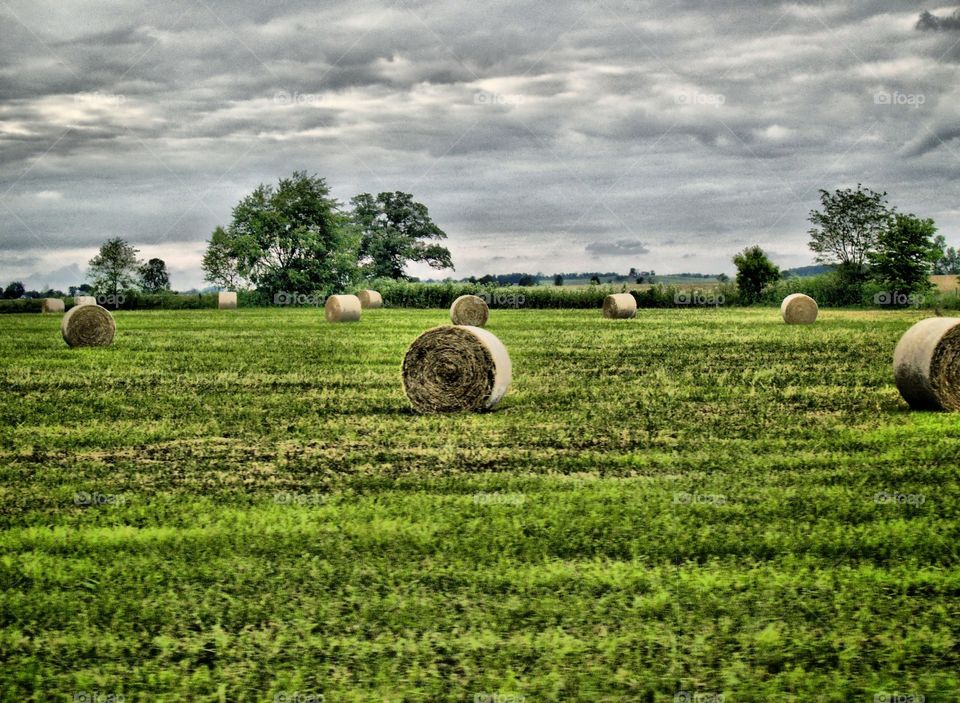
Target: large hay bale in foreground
[88,326]
[926,364]
[799,309]
[456,367]
[370,299]
[227,300]
[51,305]
[619,306]
[469,310]
[342,308]
[84,300]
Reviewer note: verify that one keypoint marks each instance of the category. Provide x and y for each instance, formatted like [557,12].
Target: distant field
[696,501]
[946,284]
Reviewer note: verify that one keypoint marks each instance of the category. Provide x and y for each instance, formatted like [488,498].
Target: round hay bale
[342,308]
[370,299]
[469,310]
[51,305]
[88,326]
[619,306]
[456,367]
[926,364]
[84,300]
[227,300]
[799,309]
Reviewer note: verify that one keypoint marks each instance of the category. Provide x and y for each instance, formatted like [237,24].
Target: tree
[14,290]
[847,228]
[723,278]
[395,230]
[154,277]
[114,269]
[291,238]
[558,279]
[754,272]
[595,280]
[905,255]
[527,280]
[948,262]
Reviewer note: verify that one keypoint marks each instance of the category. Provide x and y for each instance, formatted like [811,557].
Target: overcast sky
[543,136]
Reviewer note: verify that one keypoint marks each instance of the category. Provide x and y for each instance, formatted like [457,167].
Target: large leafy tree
[154,277]
[291,237]
[754,273]
[905,254]
[845,229]
[115,268]
[395,230]
[14,290]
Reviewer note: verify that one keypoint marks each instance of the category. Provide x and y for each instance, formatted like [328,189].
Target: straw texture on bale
[456,367]
[370,299]
[51,305]
[926,364]
[227,300]
[88,326]
[469,310]
[619,306]
[342,308]
[84,300]
[798,309]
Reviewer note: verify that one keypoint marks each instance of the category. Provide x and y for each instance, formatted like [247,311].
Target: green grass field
[701,502]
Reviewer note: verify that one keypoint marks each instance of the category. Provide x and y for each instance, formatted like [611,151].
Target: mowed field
[239,506]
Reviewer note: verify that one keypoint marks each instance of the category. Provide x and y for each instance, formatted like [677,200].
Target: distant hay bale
[798,309]
[469,310]
[456,367]
[926,364]
[342,308]
[51,305]
[84,300]
[88,326]
[619,306]
[370,299]
[227,300]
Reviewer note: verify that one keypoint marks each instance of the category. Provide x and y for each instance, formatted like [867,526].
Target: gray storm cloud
[534,131]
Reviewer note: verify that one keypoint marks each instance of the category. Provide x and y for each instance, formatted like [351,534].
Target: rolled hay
[456,367]
[799,309]
[619,306]
[926,364]
[342,308]
[227,300]
[88,326]
[51,305]
[84,300]
[370,299]
[469,310]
